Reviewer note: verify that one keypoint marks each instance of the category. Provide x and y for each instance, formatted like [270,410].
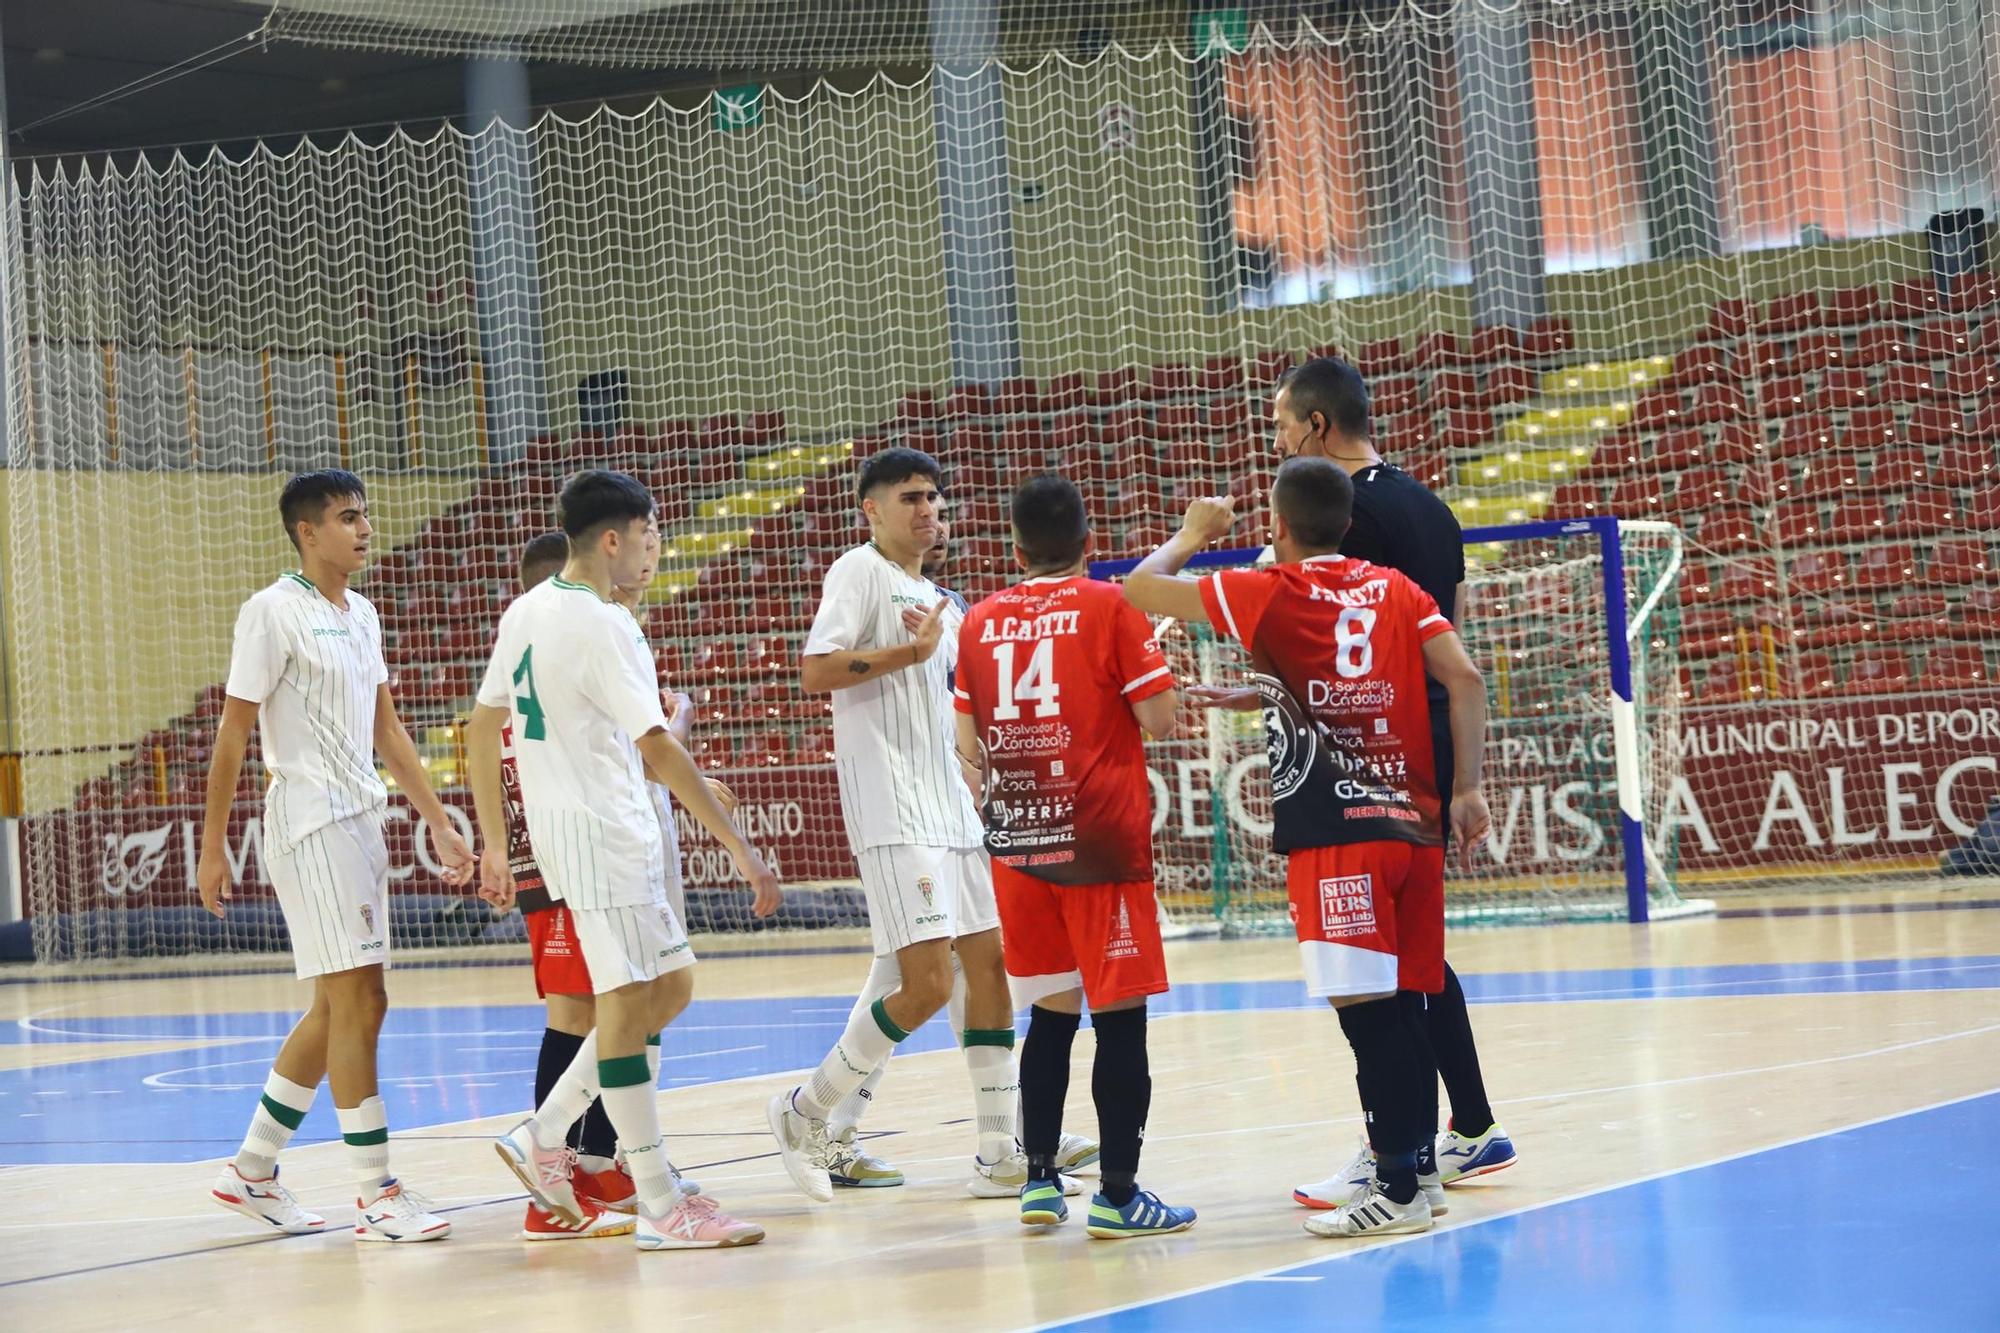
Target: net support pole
[506,267]
[1503,180]
[975,192]
[1624,721]
[1624,708]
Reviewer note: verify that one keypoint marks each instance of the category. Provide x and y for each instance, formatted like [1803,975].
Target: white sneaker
[265,1200]
[802,1146]
[1373,1213]
[543,1172]
[695,1223]
[1342,1187]
[1074,1152]
[397,1214]
[1006,1178]
[1462,1158]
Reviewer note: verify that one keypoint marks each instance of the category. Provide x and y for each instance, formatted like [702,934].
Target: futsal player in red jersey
[1339,648]
[1057,676]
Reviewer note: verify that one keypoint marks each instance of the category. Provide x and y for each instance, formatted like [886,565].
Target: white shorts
[623,945]
[333,887]
[926,893]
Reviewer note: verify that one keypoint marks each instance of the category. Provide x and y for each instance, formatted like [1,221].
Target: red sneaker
[610,1189]
[542,1224]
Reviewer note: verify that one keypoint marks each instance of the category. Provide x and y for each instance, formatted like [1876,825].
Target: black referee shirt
[1400,524]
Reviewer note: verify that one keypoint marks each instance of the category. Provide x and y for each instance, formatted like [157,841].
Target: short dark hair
[1329,386]
[307,495]
[1050,526]
[597,497]
[1315,497]
[543,556]
[895,465]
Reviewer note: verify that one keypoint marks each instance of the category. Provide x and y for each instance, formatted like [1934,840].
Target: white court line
[161,1079]
[1343,1252]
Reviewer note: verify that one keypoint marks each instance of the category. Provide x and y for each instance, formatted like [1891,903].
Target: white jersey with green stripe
[573,670]
[314,671]
[894,737]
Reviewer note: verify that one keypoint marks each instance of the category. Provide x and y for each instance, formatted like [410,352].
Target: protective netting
[1721,268]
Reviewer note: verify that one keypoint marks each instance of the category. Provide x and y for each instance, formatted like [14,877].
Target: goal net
[1723,268]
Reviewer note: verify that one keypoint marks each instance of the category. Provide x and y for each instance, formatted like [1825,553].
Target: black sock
[1415,1005]
[593,1135]
[1391,1071]
[1449,1028]
[1045,1086]
[1121,1083]
[558,1051]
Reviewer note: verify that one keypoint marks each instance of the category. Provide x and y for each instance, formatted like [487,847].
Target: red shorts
[1370,917]
[1102,937]
[559,965]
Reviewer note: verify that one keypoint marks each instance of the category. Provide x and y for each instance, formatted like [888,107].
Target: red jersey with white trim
[1337,646]
[1049,670]
[520,855]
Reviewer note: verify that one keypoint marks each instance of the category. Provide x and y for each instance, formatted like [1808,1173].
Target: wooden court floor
[1614,1054]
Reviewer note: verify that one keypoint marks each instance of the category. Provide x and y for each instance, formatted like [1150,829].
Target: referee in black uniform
[1321,409]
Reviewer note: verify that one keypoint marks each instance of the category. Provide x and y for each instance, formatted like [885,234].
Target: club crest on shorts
[925,887]
[368,918]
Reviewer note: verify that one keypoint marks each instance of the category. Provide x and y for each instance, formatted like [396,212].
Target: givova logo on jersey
[1346,906]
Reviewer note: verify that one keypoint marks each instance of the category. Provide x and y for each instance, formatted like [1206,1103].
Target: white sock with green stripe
[365,1130]
[866,1042]
[572,1095]
[632,1103]
[996,1088]
[283,1105]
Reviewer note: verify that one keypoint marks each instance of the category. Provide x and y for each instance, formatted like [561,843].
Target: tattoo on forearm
[857,668]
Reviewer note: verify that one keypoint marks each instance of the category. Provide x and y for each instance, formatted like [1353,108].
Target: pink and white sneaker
[696,1223]
[265,1200]
[543,1172]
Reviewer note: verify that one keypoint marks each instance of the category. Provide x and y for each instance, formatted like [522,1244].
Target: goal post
[1575,626]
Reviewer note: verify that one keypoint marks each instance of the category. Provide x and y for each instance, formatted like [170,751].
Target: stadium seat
[1973,375]
[1924,513]
[1825,477]
[1835,624]
[1438,348]
[1728,319]
[1017,397]
[1799,523]
[1698,488]
[1882,344]
[1954,666]
[1790,313]
[1702,364]
[1381,357]
[1814,353]
[1722,683]
[1115,387]
[1455,388]
[1910,298]
[1736,442]
[1806,436]
[1849,306]
[1841,388]
[1873,427]
[1958,562]
[1747,581]
[1968,463]
[1857,518]
[1890,565]
[1811,675]
[1878,671]
[1911,384]
[1783,396]
[1731,528]
[1065,392]
[1169,381]
[1494,344]
[1818,572]
[1899,467]
[1637,497]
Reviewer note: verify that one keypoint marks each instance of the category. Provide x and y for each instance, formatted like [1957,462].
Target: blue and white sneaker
[1460,1158]
[1042,1203]
[1342,1187]
[1145,1215]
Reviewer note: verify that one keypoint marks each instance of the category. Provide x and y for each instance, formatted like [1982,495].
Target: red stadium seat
[1885,566]
[1973,375]
[1968,463]
[1871,428]
[1811,675]
[1900,467]
[1817,571]
[1958,562]
[1925,512]
[1703,363]
[1849,306]
[1169,381]
[1825,477]
[1439,348]
[1806,436]
[1955,666]
[1882,344]
[1878,671]
[1495,343]
[1790,313]
[1455,388]
[1840,388]
[1857,518]
[1783,396]
[1910,298]
[1728,319]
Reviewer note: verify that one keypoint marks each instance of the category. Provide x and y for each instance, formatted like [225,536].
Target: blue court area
[1882,1226]
[447,1064]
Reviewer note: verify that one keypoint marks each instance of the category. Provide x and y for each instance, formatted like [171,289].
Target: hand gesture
[724,797]
[763,884]
[452,854]
[679,709]
[212,877]
[928,629]
[1471,822]
[1229,698]
[496,877]
[1209,517]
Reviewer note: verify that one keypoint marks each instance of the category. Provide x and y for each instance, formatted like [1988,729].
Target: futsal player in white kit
[306,669]
[913,829]
[572,670]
